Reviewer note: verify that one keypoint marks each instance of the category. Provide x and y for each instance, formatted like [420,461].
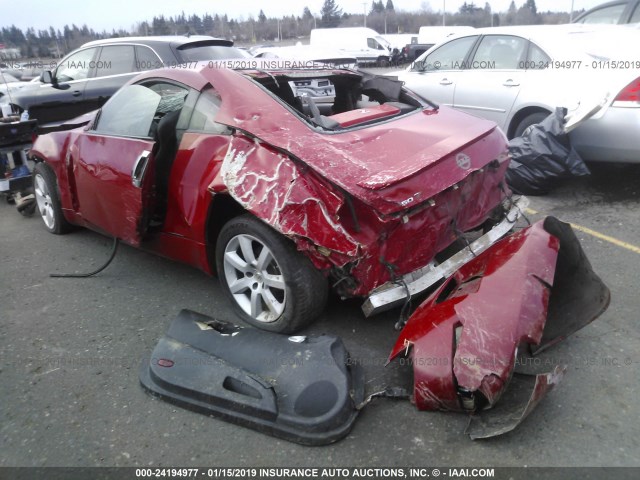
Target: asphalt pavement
[70,350]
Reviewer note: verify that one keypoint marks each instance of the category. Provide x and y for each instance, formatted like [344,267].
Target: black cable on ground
[114,249]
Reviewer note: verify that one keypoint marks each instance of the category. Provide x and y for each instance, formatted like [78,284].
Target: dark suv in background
[86,78]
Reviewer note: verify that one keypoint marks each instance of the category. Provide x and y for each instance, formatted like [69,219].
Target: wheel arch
[521,115]
[222,208]
[51,149]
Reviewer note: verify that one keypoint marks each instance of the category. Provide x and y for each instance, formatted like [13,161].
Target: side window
[449,56]
[135,110]
[371,43]
[115,60]
[76,66]
[146,59]
[537,59]
[204,114]
[380,43]
[129,112]
[172,96]
[500,52]
[635,18]
[609,14]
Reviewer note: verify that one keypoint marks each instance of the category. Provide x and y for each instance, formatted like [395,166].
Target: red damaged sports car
[228,170]
[380,193]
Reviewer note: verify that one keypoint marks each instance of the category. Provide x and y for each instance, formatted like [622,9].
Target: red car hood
[424,151]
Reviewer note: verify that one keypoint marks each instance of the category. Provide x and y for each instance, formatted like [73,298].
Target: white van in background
[362,43]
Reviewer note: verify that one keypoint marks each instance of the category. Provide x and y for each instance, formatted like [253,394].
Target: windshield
[8,78]
[383,42]
[211,52]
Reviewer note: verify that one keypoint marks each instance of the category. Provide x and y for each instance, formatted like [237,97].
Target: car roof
[173,40]
[604,5]
[594,39]
[305,52]
[540,30]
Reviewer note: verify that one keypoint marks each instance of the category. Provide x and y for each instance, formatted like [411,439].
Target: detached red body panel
[493,324]
[470,337]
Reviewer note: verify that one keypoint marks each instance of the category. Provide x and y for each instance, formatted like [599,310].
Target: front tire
[271,285]
[45,188]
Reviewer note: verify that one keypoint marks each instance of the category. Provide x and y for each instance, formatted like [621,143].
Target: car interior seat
[504,57]
[166,150]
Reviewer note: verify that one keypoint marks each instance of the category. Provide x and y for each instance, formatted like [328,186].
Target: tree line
[381,16]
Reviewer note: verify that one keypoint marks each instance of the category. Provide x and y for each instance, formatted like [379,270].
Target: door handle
[511,83]
[137,173]
[445,81]
[76,93]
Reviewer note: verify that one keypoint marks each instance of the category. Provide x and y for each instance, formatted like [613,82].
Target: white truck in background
[399,40]
[365,44]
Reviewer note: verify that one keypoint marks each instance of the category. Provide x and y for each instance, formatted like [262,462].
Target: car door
[114,168]
[435,75]
[62,99]
[491,84]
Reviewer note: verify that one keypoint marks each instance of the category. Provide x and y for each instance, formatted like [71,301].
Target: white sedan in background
[516,76]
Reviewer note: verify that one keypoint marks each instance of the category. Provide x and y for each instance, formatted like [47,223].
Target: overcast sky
[113,14]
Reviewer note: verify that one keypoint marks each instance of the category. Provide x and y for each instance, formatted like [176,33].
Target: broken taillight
[630,93]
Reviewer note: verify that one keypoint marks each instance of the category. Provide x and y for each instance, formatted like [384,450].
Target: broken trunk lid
[444,144]
[297,388]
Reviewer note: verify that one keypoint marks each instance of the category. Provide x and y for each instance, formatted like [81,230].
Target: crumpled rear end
[473,336]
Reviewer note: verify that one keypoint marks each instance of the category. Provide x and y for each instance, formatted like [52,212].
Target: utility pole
[571,14]
[364,7]
[444,9]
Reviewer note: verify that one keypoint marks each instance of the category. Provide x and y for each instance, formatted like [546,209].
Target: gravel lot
[90,410]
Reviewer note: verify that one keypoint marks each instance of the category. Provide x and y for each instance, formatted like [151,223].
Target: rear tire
[271,285]
[383,62]
[45,186]
[529,120]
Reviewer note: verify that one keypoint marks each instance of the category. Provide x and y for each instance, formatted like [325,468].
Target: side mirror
[47,77]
